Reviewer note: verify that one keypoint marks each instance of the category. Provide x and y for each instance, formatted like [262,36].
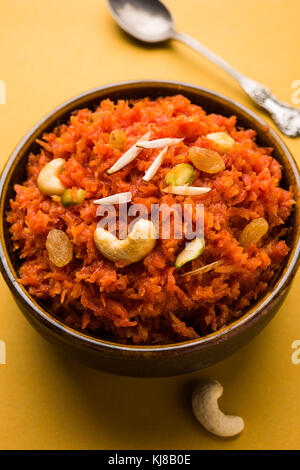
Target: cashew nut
[206,409]
[48,181]
[222,139]
[140,241]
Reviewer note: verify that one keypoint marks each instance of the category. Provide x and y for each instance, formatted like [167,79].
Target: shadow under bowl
[150,361]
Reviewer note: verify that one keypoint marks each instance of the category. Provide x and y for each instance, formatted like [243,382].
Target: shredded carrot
[130,305]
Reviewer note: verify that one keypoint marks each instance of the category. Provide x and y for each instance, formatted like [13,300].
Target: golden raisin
[254,231]
[117,139]
[59,248]
[206,160]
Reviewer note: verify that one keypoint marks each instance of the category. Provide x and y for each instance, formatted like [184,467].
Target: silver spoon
[150,21]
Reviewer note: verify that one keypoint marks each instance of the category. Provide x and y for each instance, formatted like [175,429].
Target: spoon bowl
[148,21]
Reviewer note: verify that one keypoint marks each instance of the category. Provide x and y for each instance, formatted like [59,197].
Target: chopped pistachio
[73,198]
[180,175]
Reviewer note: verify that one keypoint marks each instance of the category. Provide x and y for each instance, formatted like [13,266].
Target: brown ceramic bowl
[169,359]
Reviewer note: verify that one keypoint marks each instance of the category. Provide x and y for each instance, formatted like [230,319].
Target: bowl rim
[86,340]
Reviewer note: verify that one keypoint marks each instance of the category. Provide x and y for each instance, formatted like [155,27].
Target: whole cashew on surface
[48,181]
[206,409]
[140,241]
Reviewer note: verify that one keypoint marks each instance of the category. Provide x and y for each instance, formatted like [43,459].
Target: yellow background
[50,50]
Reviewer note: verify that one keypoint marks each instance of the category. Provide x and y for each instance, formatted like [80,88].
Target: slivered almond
[120,198]
[129,155]
[158,143]
[186,190]
[203,269]
[152,170]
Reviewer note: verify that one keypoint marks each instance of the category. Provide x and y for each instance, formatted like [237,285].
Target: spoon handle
[286,117]
[197,46]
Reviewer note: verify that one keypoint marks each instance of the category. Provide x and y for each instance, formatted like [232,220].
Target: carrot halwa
[151,301]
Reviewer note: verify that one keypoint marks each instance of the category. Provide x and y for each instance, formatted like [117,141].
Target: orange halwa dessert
[155,300]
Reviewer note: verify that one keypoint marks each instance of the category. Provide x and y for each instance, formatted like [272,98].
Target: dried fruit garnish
[48,179]
[203,269]
[186,190]
[117,139]
[254,231]
[59,248]
[152,170]
[180,174]
[129,155]
[222,139]
[192,251]
[206,160]
[73,197]
[158,143]
[119,198]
